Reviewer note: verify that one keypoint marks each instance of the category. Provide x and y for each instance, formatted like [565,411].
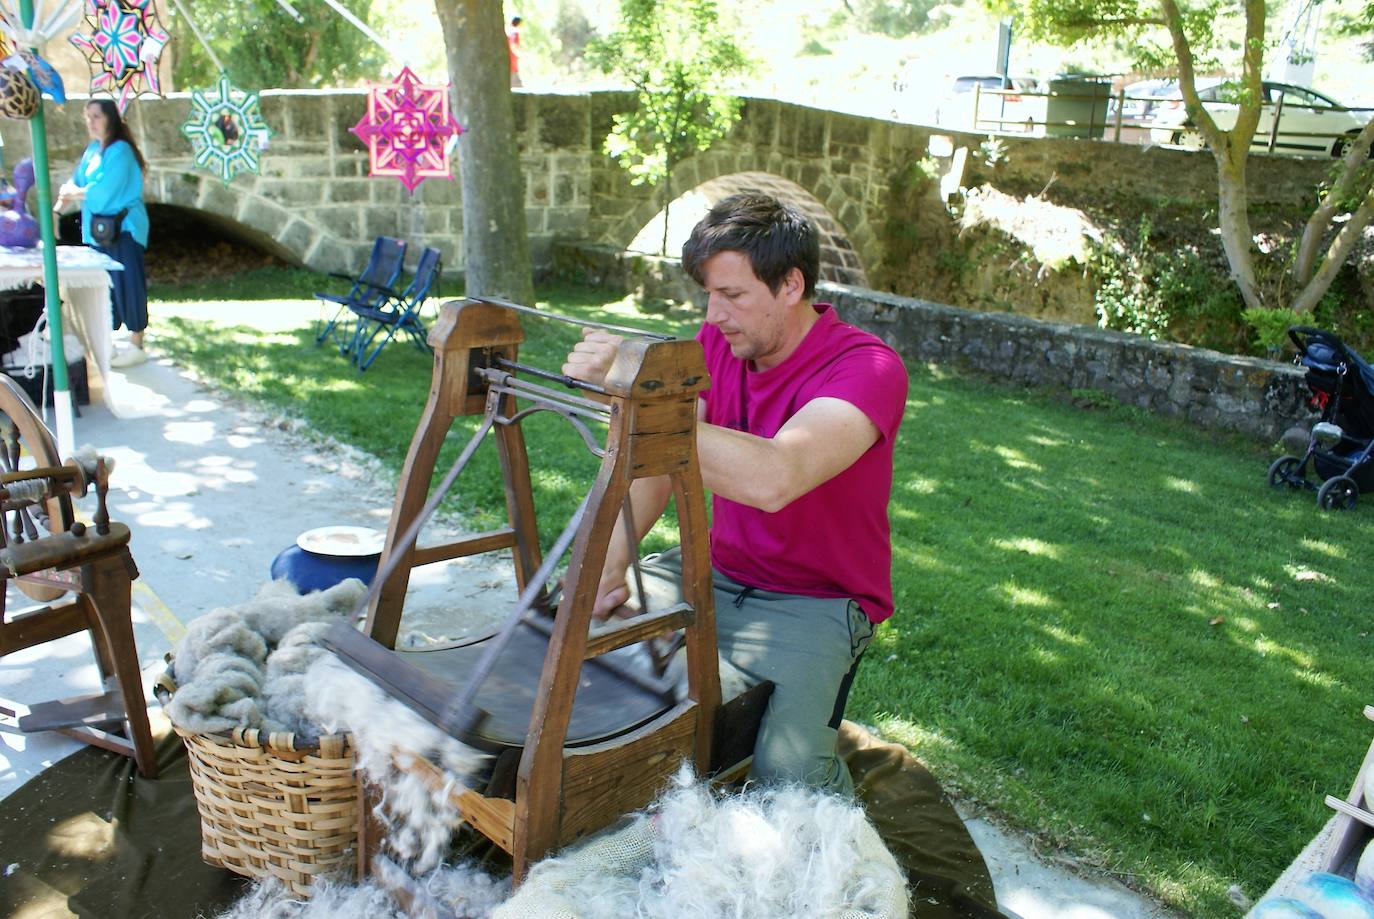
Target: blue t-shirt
[113,182]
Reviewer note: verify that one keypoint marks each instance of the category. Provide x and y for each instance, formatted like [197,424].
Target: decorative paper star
[226,130]
[123,47]
[407,128]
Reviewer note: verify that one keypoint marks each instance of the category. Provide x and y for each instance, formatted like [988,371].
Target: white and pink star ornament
[407,130]
[123,43]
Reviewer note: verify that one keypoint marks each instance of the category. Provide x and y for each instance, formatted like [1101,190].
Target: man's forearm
[648,499]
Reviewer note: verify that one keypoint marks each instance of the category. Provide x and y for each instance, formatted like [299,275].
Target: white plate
[342,540]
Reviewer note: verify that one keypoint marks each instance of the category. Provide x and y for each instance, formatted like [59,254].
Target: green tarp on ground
[89,838]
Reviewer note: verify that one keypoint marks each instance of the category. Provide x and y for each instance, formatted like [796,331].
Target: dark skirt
[128,288]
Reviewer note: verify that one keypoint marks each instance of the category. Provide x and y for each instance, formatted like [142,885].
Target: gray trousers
[807,646]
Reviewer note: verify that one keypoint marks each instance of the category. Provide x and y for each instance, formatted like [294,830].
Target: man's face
[759,325]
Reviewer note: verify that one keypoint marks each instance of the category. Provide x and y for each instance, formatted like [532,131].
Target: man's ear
[793,284]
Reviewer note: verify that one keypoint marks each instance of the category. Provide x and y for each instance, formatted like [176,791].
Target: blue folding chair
[372,288]
[400,313]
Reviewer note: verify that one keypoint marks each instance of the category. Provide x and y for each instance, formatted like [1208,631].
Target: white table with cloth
[83,284]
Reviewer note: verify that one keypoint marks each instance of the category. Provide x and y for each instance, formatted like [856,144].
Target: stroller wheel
[1338,494]
[1281,473]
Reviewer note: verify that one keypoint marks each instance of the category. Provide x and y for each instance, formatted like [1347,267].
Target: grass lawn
[1110,631]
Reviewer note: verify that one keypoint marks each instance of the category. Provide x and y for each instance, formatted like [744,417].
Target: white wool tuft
[228,679]
[218,631]
[779,851]
[386,732]
[466,889]
[784,852]
[222,695]
[283,690]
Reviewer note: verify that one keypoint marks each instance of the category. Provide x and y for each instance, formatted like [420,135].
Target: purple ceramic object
[17,229]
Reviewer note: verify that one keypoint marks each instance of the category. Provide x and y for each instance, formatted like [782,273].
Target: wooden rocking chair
[579,740]
[93,563]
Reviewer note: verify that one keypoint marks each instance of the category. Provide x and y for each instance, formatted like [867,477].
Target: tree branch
[1336,255]
[1320,221]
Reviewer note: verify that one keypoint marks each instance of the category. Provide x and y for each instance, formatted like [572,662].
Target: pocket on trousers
[860,630]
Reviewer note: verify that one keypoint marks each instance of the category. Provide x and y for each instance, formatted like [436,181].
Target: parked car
[1143,97]
[1001,105]
[1310,124]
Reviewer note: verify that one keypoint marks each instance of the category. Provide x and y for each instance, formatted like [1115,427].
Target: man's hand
[591,358]
[611,594]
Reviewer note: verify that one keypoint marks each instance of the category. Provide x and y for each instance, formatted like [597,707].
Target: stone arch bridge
[315,205]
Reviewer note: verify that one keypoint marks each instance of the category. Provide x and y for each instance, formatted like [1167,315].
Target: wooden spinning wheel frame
[575,773]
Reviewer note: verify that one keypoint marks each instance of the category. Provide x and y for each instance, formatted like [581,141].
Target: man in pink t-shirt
[795,443]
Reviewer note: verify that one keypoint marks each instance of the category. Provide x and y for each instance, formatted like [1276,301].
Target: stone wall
[1255,397]
[314,204]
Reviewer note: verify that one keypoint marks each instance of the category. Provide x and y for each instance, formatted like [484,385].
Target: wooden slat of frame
[640,628]
[473,545]
[38,626]
[88,711]
[604,781]
[494,818]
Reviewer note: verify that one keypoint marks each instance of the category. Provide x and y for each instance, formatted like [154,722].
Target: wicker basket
[270,809]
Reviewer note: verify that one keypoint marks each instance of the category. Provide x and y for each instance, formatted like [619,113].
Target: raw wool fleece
[227,668]
[387,737]
[466,889]
[782,851]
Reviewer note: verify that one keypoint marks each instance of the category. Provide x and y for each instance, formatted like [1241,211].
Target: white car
[1310,124]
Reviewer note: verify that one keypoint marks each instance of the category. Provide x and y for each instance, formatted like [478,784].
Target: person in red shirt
[795,442]
[513,46]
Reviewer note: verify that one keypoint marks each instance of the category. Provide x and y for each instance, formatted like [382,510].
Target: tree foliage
[679,58]
[262,46]
[1182,38]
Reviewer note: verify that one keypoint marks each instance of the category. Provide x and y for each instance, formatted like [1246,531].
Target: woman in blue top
[109,180]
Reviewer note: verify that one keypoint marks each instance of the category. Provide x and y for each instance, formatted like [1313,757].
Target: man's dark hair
[516,20]
[775,236]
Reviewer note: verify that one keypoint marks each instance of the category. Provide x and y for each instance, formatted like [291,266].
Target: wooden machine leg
[110,596]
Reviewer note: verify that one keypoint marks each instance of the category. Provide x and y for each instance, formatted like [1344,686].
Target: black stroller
[1342,441]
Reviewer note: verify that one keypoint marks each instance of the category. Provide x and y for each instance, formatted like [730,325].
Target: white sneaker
[129,357]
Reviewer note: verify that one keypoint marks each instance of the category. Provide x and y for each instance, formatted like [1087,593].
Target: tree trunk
[1234,224]
[496,248]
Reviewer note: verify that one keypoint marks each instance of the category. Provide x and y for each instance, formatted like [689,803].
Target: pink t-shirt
[833,541]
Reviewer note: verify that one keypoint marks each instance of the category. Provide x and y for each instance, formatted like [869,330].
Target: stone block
[565,221]
[381,221]
[537,188]
[218,199]
[181,189]
[293,192]
[297,238]
[343,222]
[345,112]
[564,122]
[437,192]
[157,125]
[308,118]
[386,190]
[563,190]
[312,167]
[811,127]
[434,221]
[348,167]
[265,216]
[534,220]
[329,255]
[343,191]
[273,108]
